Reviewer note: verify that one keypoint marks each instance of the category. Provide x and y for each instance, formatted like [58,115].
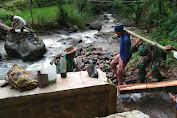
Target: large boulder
[95,26]
[74,28]
[27,50]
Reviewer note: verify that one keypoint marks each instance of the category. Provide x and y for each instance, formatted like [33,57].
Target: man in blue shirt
[125,53]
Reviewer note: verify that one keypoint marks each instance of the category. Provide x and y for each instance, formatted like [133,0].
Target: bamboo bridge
[170,85]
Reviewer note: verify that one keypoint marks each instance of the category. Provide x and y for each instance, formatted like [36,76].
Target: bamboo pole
[151,43]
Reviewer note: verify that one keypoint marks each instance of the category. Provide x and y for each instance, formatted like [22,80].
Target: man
[18,22]
[174,99]
[69,55]
[151,56]
[125,54]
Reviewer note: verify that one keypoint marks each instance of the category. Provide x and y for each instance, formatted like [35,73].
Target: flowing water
[157,105]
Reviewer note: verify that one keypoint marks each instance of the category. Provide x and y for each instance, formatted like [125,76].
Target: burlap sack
[21,79]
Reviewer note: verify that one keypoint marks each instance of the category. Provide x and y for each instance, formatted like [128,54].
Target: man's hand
[148,74]
[172,97]
[169,47]
[137,40]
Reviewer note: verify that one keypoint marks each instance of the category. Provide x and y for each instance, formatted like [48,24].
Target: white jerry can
[50,69]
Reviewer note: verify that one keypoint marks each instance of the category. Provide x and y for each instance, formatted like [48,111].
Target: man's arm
[134,48]
[13,25]
[169,47]
[172,97]
[77,67]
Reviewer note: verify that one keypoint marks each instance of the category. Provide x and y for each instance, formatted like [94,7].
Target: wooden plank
[170,85]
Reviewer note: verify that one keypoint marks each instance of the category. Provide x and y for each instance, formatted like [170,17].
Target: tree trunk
[31,11]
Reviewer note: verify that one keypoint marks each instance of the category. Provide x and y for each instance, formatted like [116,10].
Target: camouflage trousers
[143,64]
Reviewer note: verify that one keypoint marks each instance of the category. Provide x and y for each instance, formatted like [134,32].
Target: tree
[30,2]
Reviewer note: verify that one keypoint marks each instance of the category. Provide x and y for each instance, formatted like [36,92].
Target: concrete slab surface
[74,80]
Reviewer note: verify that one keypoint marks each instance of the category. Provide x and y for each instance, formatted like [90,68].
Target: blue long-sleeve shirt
[125,45]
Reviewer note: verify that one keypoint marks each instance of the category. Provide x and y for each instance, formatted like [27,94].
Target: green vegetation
[43,19]
[158,16]
[46,15]
[68,13]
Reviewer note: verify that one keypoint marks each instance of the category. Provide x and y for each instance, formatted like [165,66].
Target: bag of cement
[92,71]
[21,79]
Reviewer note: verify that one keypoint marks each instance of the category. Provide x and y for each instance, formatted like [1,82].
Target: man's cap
[119,27]
[69,49]
[11,15]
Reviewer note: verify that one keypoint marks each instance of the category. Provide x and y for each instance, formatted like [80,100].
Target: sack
[92,71]
[21,79]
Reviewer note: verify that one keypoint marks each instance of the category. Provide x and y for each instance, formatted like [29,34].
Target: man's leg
[142,68]
[114,64]
[156,73]
[120,71]
[22,33]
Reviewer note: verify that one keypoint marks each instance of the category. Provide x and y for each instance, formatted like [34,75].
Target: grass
[46,13]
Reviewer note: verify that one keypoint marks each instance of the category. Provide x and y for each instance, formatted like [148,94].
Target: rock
[99,49]
[127,22]
[112,41]
[174,71]
[115,37]
[27,50]
[91,61]
[74,28]
[110,74]
[74,42]
[80,65]
[107,56]
[85,67]
[88,53]
[63,32]
[115,81]
[145,31]
[101,65]
[129,114]
[95,26]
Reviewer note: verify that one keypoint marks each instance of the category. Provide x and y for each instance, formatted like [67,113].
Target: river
[156,105]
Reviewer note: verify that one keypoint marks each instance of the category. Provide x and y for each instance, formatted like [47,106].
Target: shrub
[69,14]
[21,4]
[4,15]
[44,3]
[9,7]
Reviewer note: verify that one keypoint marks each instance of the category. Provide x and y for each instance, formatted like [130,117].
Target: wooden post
[151,43]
